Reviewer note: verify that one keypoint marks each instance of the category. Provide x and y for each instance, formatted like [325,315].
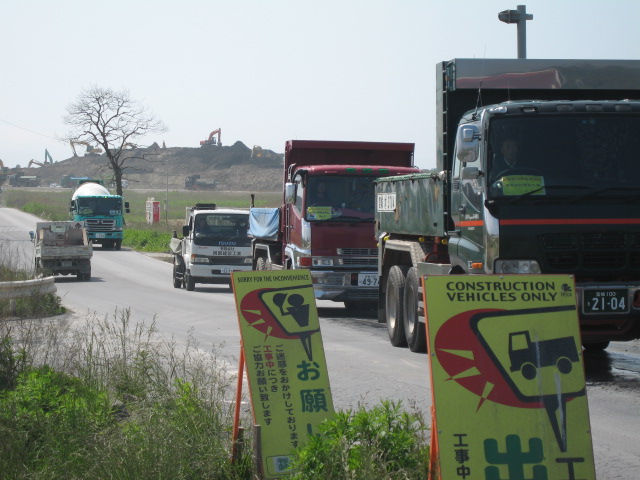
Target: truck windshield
[344,198]
[577,156]
[211,228]
[99,206]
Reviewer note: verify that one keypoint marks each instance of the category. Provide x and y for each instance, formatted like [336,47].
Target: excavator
[47,160]
[211,140]
[90,150]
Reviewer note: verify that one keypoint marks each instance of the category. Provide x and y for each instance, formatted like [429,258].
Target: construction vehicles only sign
[285,362]
[507,378]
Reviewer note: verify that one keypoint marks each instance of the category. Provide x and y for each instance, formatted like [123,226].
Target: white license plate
[367,279]
[226,270]
[66,263]
[100,235]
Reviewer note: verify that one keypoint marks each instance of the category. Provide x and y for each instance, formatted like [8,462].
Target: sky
[268,71]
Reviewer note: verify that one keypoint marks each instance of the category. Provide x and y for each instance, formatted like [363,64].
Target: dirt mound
[232,168]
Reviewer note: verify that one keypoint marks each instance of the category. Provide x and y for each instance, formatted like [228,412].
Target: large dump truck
[62,248]
[568,205]
[325,223]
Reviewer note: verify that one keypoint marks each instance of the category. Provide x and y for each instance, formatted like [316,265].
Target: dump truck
[101,212]
[325,223]
[214,244]
[62,248]
[568,205]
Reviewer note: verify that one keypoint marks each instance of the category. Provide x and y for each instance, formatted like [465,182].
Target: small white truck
[62,248]
[214,244]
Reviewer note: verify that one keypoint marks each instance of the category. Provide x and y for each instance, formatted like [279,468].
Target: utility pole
[520,17]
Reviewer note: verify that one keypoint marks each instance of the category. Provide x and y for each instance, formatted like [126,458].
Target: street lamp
[520,17]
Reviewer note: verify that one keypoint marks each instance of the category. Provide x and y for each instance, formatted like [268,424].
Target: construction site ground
[232,168]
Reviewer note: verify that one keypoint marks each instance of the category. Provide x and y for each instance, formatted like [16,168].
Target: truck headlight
[248,260]
[516,266]
[322,262]
[197,259]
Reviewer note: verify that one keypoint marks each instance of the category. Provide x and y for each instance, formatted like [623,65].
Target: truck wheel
[177,282]
[117,244]
[261,263]
[190,284]
[414,330]
[394,305]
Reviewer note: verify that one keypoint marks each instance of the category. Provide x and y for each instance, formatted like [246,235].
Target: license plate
[226,270]
[100,235]
[66,263]
[367,279]
[605,301]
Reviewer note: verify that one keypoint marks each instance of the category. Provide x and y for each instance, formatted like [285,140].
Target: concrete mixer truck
[101,212]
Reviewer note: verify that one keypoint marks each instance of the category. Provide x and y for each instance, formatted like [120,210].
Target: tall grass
[109,398]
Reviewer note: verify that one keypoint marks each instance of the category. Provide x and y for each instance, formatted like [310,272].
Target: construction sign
[285,362]
[507,378]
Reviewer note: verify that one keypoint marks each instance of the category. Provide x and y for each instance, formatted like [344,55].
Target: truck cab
[214,244]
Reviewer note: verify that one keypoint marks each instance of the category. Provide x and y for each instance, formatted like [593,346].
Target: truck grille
[359,261]
[592,251]
[358,251]
[100,225]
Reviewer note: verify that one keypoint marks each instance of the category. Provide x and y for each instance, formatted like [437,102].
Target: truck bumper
[341,286]
[68,266]
[215,273]
[619,325]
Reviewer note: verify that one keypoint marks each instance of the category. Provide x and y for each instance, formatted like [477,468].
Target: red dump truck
[325,223]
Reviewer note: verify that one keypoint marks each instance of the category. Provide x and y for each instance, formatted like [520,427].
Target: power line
[31,131]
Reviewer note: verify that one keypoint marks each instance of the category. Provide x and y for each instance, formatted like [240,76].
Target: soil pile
[231,167]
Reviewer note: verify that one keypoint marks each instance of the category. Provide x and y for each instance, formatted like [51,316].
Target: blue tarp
[264,223]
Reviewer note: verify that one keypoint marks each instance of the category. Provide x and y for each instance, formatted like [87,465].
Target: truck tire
[117,244]
[414,330]
[177,282]
[394,307]
[189,282]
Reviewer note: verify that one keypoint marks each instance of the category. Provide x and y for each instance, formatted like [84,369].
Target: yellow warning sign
[507,378]
[285,362]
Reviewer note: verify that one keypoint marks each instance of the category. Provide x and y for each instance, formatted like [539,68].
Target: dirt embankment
[232,168]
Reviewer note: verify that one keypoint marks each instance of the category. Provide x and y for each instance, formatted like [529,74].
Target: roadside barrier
[25,288]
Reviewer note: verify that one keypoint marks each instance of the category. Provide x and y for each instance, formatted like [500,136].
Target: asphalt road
[363,366]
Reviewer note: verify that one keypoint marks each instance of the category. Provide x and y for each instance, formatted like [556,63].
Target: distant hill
[232,168]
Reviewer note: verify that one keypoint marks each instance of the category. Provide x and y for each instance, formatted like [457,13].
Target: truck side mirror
[32,235]
[289,193]
[468,143]
[126,207]
[470,173]
[185,230]
[72,205]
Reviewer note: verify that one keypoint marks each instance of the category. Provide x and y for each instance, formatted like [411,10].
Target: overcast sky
[266,71]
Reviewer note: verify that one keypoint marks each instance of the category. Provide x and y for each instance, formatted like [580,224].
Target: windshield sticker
[319,213]
[522,184]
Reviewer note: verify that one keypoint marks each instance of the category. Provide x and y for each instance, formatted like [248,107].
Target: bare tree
[114,121]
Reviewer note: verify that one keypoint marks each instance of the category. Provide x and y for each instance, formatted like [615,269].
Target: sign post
[285,363]
[507,378]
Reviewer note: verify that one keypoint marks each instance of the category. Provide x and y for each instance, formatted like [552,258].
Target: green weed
[385,442]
